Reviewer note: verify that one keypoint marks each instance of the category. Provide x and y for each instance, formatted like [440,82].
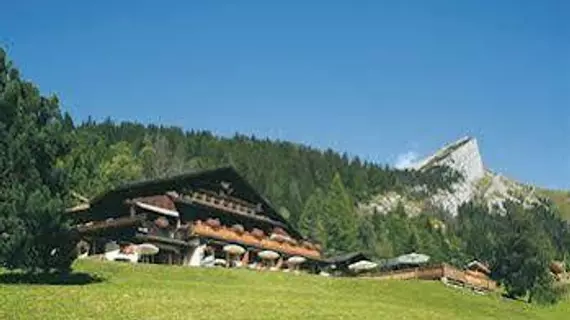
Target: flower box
[214,223]
[258,233]
[238,228]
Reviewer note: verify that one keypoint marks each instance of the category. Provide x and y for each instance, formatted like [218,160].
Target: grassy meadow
[161,292]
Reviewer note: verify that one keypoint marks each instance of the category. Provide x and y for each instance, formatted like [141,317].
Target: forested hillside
[106,154]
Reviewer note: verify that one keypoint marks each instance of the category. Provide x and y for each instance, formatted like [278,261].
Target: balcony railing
[246,238]
[228,205]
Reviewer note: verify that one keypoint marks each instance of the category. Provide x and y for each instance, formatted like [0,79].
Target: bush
[40,239]
[548,292]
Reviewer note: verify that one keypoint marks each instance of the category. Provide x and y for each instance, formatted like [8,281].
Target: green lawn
[162,292]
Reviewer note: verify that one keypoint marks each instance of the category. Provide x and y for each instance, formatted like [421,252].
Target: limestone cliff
[478,183]
[464,157]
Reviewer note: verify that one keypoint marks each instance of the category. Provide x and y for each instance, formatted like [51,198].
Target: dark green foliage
[367,238]
[397,234]
[519,245]
[43,242]
[311,220]
[524,253]
[548,292]
[33,135]
[330,218]
[480,231]
[339,218]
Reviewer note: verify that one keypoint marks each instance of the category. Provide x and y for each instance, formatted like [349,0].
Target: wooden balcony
[224,203]
[110,224]
[227,234]
[227,207]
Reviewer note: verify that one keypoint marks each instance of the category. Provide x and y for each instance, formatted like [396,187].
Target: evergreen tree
[83,162]
[414,243]
[339,218]
[34,236]
[384,247]
[311,221]
[480,231]
[367,239]
[121,165]
[525,253]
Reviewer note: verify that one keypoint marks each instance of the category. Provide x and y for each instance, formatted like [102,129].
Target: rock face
[478,183]
[464,157]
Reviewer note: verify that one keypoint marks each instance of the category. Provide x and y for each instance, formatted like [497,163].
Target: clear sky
[384,80]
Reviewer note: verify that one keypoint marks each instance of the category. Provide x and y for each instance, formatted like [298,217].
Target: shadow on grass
[49,278]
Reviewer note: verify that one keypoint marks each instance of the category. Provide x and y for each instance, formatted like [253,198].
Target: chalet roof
[156,209]
[476,265]
[203,178]
[405,260]
[197,180]
[348,258]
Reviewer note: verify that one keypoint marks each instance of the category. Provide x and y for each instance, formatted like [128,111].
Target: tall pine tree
[311,222]
[339,218]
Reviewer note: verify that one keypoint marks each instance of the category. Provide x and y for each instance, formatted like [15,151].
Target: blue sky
[378,79]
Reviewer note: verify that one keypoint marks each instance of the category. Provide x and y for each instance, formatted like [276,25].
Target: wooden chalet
[179,214]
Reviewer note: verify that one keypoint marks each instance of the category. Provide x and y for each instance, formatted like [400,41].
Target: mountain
[478,183]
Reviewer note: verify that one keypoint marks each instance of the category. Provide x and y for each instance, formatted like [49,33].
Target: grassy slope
[561,199]
[160,292]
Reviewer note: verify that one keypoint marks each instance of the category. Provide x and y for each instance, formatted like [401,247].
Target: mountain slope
[478,184]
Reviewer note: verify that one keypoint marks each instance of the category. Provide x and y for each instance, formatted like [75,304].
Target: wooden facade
[444,272]
[178,214]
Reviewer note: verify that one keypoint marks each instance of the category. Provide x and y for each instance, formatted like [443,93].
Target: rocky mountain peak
[478,183]
[464,157]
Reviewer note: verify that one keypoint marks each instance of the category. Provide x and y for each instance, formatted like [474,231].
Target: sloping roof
[159,210]
[162,185]
[404,260]
[478,265]
[200,179]
[348,258]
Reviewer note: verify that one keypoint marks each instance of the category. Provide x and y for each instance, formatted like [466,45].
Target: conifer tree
[33,234]
[311,221]
[367,239]
[525,253]
[340,218]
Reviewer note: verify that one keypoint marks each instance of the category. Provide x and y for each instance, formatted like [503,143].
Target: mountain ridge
[478,183]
